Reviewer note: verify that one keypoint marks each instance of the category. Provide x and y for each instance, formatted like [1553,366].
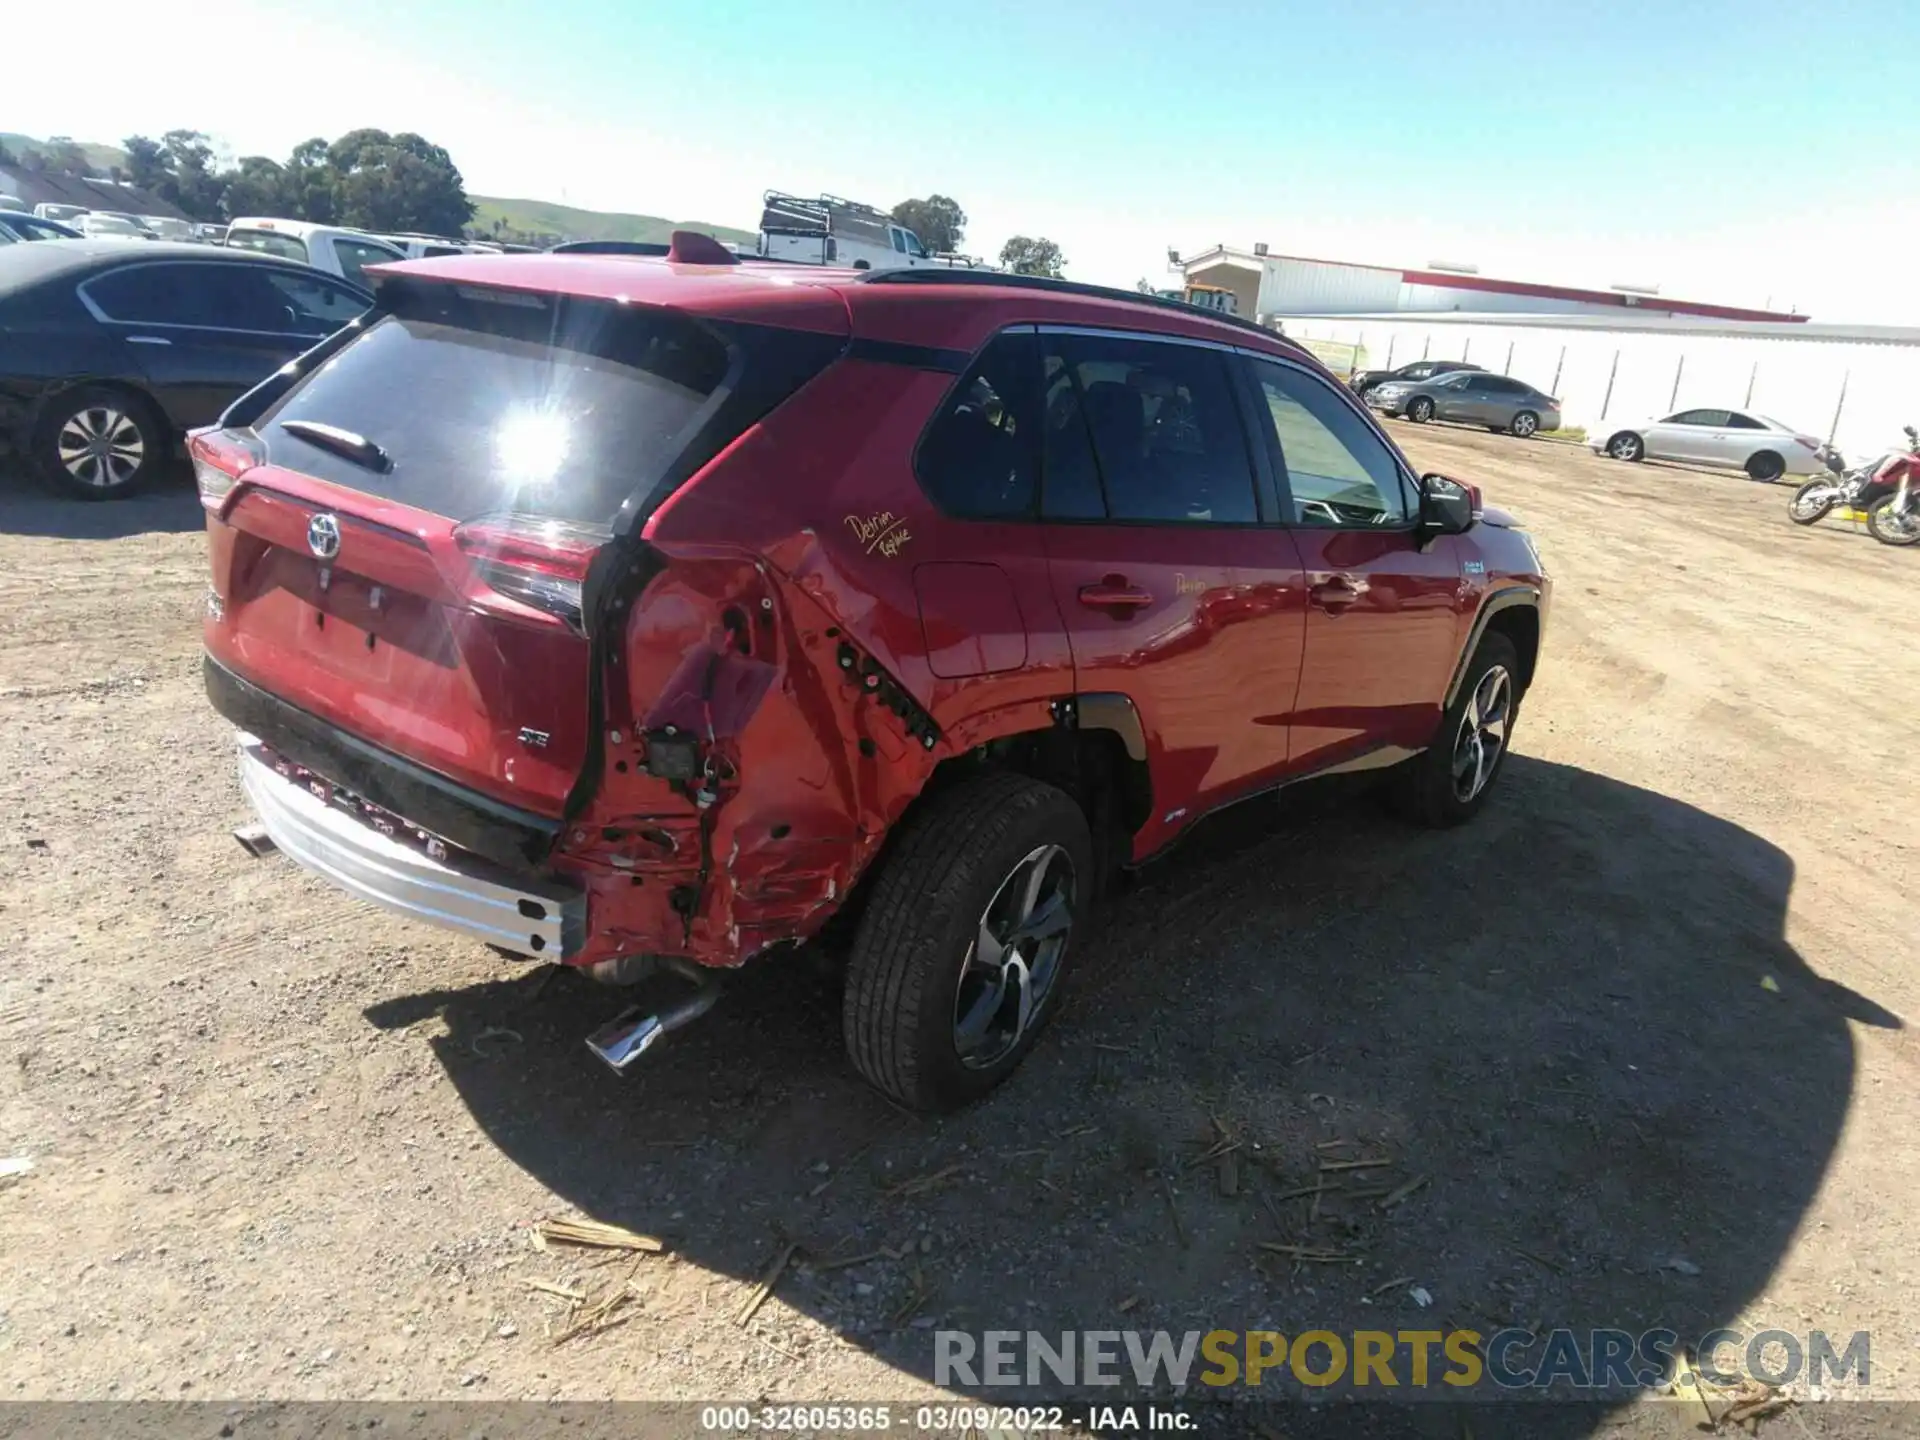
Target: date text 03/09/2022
[939,1419]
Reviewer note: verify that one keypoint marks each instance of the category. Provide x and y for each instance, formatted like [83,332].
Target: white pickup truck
[331,248]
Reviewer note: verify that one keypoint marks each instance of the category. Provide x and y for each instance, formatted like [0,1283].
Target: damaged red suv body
[609,609]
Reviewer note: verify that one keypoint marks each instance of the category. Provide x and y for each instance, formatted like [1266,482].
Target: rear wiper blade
[343,443]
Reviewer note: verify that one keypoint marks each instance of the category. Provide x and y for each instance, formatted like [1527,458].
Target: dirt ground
[1642,1030]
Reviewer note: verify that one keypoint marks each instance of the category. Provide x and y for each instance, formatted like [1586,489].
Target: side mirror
[1446,507]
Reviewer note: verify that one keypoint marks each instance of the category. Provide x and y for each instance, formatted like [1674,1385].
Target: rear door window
[197,294]
[489,400]
[1712,419]
[1165,429]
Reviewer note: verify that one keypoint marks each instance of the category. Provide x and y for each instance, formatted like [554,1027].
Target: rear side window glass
[1743,422]
[977,460]
[1165,429]
[312,306]
[1340,472]
[269,242]
[494,400]
[1699,417]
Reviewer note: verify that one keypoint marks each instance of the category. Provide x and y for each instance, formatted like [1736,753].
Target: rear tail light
[220,458]
[538,562]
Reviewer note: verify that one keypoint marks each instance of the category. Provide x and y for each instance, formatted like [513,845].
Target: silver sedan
[1470,397]
[1736,439]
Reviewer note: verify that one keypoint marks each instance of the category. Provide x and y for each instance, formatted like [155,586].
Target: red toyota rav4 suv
[645,614]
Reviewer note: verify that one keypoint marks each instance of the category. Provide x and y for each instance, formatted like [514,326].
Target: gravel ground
[1638,1030]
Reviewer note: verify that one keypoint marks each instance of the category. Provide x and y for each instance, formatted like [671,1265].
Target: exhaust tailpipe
[255,840]
[629,1035]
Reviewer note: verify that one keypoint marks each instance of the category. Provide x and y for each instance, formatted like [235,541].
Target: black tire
[947,864]
[1810,514]
[1886,534]
[1419,410]
[1524,425]
[1425,791]
[125,425]
[1627,446]
[1766,466]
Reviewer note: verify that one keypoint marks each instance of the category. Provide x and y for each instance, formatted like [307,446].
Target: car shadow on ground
[1605,1086]
[170,506]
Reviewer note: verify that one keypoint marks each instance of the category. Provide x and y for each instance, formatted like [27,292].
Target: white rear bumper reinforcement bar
[464,893]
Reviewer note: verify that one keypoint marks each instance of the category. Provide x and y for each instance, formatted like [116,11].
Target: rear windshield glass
[487,400]
[269,242]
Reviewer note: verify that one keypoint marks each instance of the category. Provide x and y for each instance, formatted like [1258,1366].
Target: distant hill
[542,217]
[101,157]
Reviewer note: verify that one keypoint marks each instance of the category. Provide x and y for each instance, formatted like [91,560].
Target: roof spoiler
[690,247]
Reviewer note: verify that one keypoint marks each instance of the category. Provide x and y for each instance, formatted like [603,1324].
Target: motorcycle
[1862,491]
[1896,519]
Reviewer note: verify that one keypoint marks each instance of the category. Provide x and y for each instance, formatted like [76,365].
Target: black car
[18,225]
[1418,370]
[110,350]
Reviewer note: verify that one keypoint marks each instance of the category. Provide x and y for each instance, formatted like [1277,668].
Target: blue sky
[1731,152]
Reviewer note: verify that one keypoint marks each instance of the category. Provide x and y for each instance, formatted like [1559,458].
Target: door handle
[148,340]
[1115,594]
[1336,594]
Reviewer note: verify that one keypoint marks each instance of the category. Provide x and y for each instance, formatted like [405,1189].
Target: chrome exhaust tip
[624,1039]
[255,840]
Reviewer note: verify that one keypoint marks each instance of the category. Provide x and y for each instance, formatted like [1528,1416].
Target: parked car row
[109,352]
[1464,393]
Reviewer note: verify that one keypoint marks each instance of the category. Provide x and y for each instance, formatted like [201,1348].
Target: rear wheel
[1766,466]
[1811,502]
[1627,446]
[1893,527]
[965,938]
[1525,424]
[1420,410]
[1449,782]
[97,443]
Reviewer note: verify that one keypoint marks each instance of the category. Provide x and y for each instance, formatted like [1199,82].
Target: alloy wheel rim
[1622,448]
[1482,736]
[1421,409]
[101,446]
[1014,960]
[1523,425]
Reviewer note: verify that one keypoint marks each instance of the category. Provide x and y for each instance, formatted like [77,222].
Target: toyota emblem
[323,535]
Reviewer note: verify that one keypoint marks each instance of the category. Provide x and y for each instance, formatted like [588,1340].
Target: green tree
[190,182]
[255,186]
[397,182]
[146,162]
[306,186]
[1024,256]
[938,220]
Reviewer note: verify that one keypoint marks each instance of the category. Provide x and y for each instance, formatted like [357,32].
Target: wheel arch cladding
[1521,625]
[1514,605]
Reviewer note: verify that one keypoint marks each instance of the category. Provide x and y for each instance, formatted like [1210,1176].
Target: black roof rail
[916,275]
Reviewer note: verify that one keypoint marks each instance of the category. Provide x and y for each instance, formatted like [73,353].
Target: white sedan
[1737,439]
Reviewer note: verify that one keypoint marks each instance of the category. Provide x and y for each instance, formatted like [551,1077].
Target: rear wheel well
[50,403]
[1521,625]
[1091,764]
